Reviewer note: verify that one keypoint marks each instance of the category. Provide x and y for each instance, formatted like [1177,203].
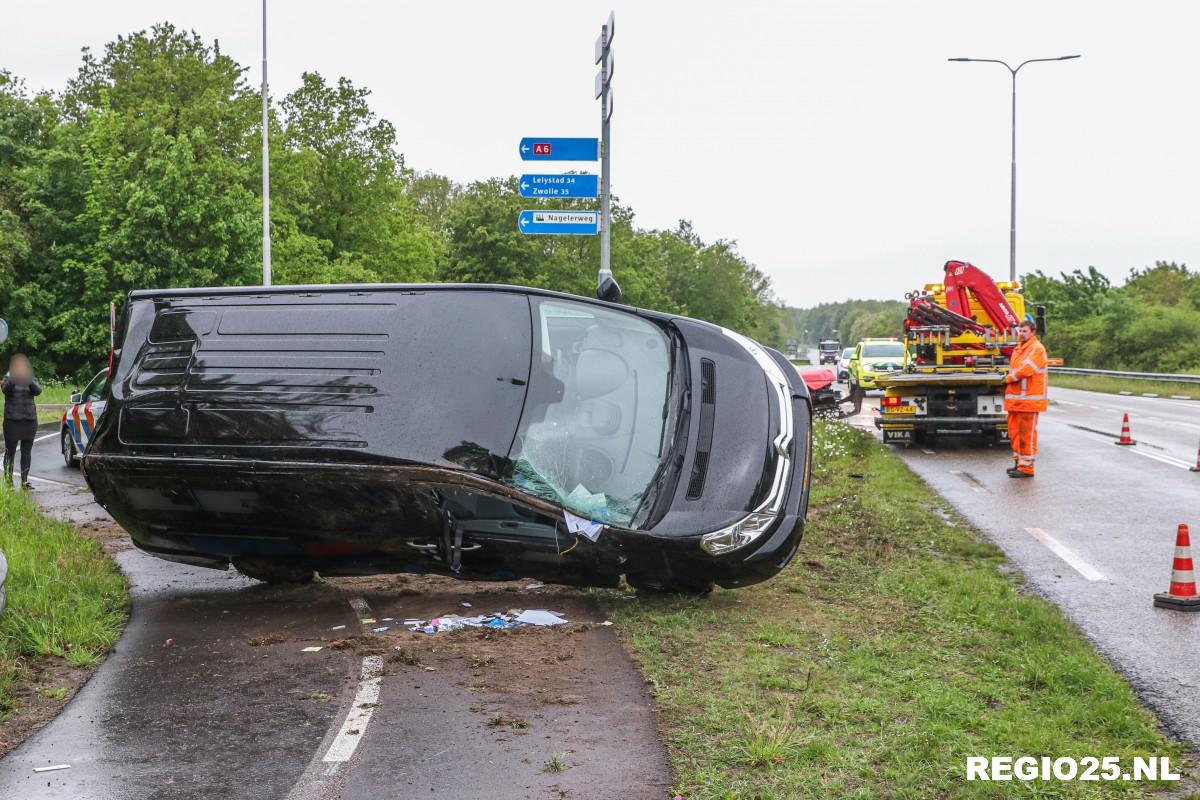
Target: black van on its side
[488,432]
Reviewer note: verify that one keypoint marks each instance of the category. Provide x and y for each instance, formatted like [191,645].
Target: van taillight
[892,401]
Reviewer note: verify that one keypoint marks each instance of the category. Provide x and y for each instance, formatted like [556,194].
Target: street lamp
[1012,228]
[266,163]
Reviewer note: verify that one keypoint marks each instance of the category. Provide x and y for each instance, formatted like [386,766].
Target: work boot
[1016,473]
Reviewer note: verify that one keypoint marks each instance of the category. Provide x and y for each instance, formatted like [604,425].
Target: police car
[79,421]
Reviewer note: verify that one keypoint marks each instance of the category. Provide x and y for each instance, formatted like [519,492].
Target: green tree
[350,196]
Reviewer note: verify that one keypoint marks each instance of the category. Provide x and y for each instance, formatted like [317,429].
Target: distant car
[872,358]
[843,365]
[485,432]
[79,421]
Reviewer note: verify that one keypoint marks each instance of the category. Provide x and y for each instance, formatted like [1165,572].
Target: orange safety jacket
[1026,390]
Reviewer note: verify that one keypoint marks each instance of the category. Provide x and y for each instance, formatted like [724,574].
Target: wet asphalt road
[1094,532]
[187,707]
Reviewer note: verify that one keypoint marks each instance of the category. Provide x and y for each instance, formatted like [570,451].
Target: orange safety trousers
[1022,432]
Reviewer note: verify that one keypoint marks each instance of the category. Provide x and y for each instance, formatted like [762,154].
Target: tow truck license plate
[902,410]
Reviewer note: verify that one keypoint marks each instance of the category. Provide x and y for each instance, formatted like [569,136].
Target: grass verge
[66,597]
[1101,383]
[892,648]
[53,392]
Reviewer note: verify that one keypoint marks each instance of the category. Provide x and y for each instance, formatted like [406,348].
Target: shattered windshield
[593,432]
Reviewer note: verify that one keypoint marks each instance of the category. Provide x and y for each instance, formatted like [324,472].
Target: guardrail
[1137,376]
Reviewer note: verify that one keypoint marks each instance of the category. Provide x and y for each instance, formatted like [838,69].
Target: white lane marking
[1174,462]
[50,480]
[1068,402]
[44,438]
[359,715]
[1171,460]
[1068,555]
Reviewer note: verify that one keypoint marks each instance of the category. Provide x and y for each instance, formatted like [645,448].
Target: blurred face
[1025,333]
[19,368]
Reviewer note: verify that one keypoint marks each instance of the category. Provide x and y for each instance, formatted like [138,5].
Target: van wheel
[70,457]
[270,571]
[648,585]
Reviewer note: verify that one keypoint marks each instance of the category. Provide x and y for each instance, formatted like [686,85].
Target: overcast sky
[831,139]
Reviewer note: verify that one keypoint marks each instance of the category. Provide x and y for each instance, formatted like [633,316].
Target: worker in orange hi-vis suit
[1025,398]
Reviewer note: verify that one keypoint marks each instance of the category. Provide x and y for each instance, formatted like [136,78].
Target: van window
[591,437]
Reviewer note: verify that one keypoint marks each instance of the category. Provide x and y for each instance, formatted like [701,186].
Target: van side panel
[437,378]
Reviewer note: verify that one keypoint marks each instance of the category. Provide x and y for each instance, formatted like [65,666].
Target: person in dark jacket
[20,416]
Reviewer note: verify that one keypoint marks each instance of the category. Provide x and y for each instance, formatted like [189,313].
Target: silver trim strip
[773,502]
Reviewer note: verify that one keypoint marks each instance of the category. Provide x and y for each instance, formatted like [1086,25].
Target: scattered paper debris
[312,650]
[338,628]
[540,616]
[381,629]
[52,769]
[466,605]
[584,527]
[606,623]
[386,619]
[536,586]
[168,642]
[498,621]
[368,621]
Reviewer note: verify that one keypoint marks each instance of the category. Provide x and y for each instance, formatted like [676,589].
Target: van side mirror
[76,396]
[609,290]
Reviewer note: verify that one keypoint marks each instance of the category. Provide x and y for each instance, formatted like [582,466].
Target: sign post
[607,289]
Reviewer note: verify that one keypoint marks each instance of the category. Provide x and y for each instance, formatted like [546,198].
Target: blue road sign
[559,185]
[575,223]
[548,148]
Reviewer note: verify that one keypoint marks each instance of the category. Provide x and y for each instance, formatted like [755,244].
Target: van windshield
[885,350]
[597,419]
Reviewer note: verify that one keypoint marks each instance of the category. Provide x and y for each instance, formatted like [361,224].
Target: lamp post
[266,163]
[1012,227]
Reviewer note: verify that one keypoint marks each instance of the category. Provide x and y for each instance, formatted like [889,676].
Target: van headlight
[739,534]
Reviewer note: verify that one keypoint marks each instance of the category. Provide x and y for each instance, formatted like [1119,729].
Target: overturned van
[488,432]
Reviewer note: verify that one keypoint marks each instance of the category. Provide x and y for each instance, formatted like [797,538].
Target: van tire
[271,571]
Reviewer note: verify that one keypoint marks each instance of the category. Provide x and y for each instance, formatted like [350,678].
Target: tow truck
[959,336]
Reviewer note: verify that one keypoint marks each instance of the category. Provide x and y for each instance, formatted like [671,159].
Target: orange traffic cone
[1197,467]
[1125,438]
[1182,594]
